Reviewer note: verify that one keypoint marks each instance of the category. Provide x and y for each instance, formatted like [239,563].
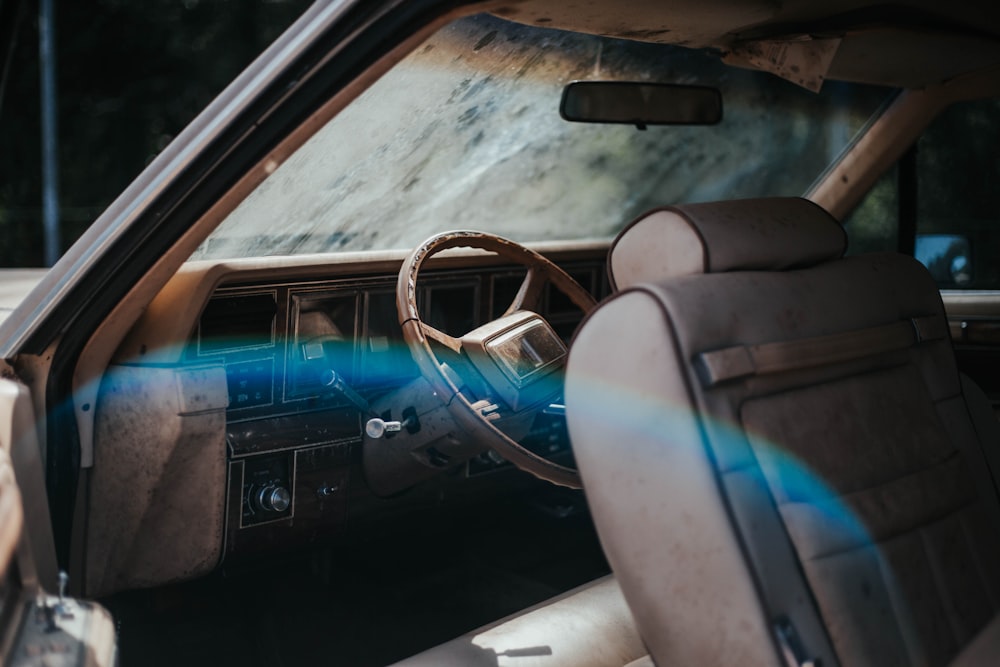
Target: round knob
[375,428]
[274,498]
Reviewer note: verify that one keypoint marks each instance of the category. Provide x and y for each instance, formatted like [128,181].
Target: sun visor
[805,62]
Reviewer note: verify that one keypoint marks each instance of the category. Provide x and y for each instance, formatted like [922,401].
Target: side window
[951,183]
[873,226]
[958,196]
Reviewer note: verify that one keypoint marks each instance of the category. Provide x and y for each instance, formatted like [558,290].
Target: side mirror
[640,104]
[947,256]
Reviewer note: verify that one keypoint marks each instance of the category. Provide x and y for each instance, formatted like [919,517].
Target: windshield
[465,133]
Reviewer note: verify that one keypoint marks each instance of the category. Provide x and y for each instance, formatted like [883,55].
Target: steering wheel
[514,354]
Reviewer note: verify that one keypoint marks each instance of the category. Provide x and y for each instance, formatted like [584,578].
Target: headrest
[770,234]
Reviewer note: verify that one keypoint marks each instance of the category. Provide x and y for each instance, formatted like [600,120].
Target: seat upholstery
[589,626]
[775,234]
[775,442]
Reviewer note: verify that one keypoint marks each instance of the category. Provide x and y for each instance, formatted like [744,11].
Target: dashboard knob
[274,498]
[376,428]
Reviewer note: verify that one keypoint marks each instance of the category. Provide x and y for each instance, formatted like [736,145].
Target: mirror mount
[640,103]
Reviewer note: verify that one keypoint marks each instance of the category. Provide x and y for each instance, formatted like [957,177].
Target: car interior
[532,333]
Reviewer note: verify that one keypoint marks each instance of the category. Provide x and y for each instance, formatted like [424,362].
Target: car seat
[782,460]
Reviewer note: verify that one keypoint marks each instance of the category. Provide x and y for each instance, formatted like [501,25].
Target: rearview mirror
[640,104]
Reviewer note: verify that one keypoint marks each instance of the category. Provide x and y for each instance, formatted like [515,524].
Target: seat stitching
[899,609]
[978,560]
[892,535]
[952,456]
[941,587]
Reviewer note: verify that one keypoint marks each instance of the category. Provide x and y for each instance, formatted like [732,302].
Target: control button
[327,490]
[274,498]
[376,428]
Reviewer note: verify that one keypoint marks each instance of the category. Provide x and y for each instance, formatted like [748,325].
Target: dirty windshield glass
[465,133]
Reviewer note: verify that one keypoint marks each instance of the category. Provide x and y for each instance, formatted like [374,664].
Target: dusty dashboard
[293,434]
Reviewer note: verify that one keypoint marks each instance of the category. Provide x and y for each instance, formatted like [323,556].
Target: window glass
[958,196]
[465,133]
[873,225]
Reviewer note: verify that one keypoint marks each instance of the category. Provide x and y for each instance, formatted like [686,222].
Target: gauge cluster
[304,359]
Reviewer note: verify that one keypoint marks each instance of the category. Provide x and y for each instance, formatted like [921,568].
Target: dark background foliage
[131,74]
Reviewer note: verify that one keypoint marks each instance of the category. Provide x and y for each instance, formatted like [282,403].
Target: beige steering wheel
[475,417]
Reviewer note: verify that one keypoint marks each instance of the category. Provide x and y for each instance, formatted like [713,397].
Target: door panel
[19,440]
[974,321]
[11,514]
[37,628]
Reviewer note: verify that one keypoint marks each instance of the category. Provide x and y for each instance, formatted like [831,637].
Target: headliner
[910,43]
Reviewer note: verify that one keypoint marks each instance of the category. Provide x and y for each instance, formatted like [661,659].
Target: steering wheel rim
[418,335]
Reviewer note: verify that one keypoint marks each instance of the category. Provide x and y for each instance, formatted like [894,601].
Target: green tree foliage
[131,75]
[958,188]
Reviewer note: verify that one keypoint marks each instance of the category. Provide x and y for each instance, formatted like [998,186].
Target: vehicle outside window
[873,225]
[465,133]
[954,198]
[945,191]
[958,198]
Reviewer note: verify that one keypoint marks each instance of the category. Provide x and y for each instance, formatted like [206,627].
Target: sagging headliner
[909,43]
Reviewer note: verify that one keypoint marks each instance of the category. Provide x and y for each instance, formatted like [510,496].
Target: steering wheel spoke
[529,294]
[438,336]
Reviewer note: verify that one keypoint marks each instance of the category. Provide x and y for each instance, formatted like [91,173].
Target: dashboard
[304,359]
[230,424]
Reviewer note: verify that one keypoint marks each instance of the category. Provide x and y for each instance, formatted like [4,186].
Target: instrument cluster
[302,361]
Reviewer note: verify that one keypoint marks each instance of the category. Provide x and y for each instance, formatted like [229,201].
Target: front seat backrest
[776,447]
[774,234]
